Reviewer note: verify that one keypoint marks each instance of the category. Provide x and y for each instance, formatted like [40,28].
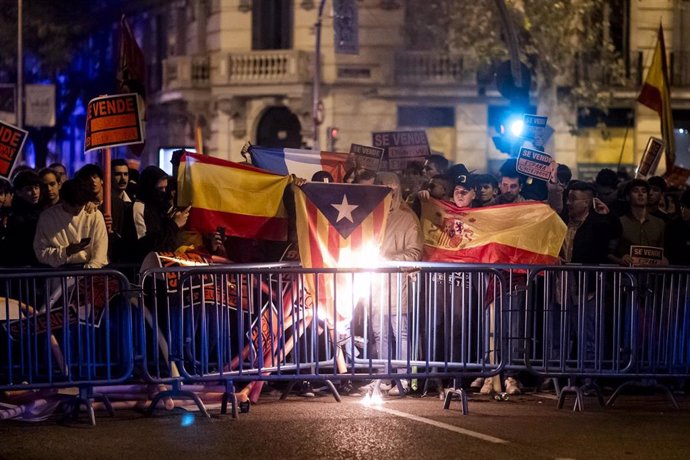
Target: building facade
[243,70]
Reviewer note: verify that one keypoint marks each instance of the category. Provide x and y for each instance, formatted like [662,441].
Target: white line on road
[445,426]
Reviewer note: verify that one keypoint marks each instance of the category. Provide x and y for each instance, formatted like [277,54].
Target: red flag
[131,71]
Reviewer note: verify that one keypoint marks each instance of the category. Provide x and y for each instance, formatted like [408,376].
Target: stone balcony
[272,67]
[186,72]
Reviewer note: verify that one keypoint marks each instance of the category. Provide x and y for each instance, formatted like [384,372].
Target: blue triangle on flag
[345,206]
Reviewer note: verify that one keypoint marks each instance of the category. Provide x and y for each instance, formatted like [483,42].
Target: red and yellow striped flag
[335,221]
[656,94]
[244,200]
[521,233]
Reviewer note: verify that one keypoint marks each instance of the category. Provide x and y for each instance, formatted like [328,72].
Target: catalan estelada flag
[301,163]
[656,94]
[244,200]
[336,220]
[520,233]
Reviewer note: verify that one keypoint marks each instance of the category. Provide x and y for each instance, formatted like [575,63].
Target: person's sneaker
[306,390]
[477,383]
[348,389]
[394,391]
[383,386]
[512,386]
[487,387]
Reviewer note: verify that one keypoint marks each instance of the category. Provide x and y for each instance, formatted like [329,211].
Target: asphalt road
[527,426]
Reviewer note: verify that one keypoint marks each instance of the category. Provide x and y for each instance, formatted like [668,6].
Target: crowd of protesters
[48,219]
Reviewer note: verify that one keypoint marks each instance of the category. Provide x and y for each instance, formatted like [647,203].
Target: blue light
[515,127]
[187,419]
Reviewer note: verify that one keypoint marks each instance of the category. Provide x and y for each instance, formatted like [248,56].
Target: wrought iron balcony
[680,68]
[262,67]
[186,72]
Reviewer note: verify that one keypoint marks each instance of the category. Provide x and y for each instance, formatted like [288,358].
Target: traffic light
[509,124]
[332,138]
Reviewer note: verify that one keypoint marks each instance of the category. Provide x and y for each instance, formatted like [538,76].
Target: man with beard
[122,235]
[156,221]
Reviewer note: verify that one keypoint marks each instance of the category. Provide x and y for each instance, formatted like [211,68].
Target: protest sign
[113,121]
[646,255]
[650,157]
[11,142]
[533,128]
[40,105]
[402,147]
[534,163]
[367,157]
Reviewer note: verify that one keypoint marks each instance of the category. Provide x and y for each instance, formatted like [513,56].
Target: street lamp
[20,68]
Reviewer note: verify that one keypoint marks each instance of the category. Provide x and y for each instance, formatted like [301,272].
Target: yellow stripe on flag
[532,227]
[231,189]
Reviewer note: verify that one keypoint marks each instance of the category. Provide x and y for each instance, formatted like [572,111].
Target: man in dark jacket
[156,221]
[21,225]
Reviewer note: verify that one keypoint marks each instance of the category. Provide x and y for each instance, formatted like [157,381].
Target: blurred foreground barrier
[66,328]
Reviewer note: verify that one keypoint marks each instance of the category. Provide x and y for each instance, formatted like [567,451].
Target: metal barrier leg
[456,392]
[177,392]
[229,394]
[579,396]
[288,390]
[452,393]
[633,383]
[333,391]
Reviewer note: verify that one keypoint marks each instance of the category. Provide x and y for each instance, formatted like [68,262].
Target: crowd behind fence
[234,327]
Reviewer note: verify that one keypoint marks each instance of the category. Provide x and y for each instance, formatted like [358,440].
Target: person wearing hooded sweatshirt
[157,222]
[21,225]
[402,241]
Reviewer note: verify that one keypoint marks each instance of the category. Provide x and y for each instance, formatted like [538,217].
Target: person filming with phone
[67,234]
[156,220]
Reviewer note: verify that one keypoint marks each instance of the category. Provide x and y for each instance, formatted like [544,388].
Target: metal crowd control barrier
[256,323]
[608,322]
[65,328]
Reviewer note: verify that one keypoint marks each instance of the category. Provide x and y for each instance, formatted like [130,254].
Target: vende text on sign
[646,255]
[113,121]
[11,142]
[367,157]
[534,163]
[533,128]
[402,147]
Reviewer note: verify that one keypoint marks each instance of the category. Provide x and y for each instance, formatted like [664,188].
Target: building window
[271,25]
[427,117]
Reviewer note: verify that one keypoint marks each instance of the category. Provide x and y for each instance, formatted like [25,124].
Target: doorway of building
[279,127]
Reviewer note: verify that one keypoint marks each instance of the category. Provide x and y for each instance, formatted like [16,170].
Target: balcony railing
[263,67]
[431,68]
[186,72]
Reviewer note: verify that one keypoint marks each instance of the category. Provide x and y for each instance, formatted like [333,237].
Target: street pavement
[528,426]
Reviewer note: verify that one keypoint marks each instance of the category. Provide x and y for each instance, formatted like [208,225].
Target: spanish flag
[656,95]
[244,200]
[521,233]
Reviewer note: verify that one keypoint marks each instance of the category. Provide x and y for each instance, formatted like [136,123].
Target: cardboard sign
[646,255]
[534,163]
[40,105]
[533,128]
[11,142]
[113,121]
[367,157]
[650,157]
[402,147]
